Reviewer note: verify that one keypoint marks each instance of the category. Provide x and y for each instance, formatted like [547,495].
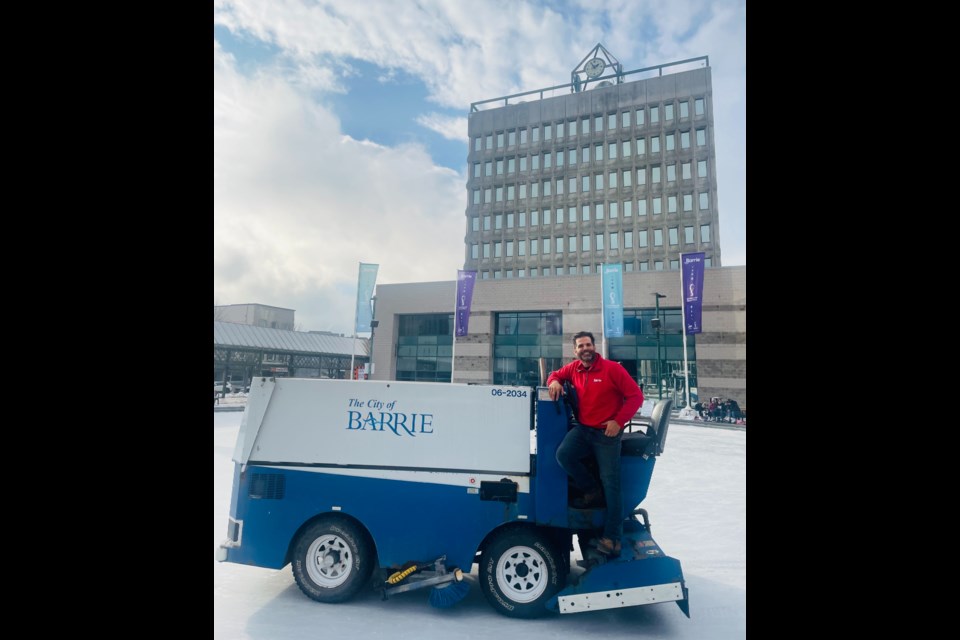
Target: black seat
[653,441]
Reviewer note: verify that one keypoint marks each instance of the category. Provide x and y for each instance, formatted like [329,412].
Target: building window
[486,250]
[705,233]
[598,153]
[684,109]
[585,213]
[684,139]
[674,265]
[476,169]
[489,142]
[599,181]
[558,245]
[641,146]
[640,116]
[585,243]
[670,144]
[641,176]
[521,247]
[641,207]
[698,106]
[642,238]
[474,223]
[522,220]
[655,144]
[511,138]
[488,168]
[671,172]
[598,211]
[598,124]
[612,151]
[500,140]
[685,170]
[628,266]
[571,157]
[626,148]
[585,184]
[474,251]
[627,208]
[486,223]
[509,248]
[688,235]
[688,202]
[534,219]
[628,239]
[654,114]
[476,196]
[559,191]
[667,112]
[572,214]
[487,195]
[571,244]
[614,240]
[628,177]
[704,201]
[674,236]
[657,206]
[547,188]
[586,269]
[625,119]
[701,137]
[644,266]
[498,221]
[612,180]
[546,217]
[497,250]
[523,136]
[572,185]
[599,240]
[572,128]
[655,174]
[534,189]
[613,209]
[658,265]
[585,154]
[512,166]
[510,192]
[476,144]
[547,160]
[523,191]
[498,274]
[611,121]
[499,194]
[708,262]
[701,168]
[425,347]
[548,132]
[534,246]
[671,204]
[559,216]
[658,237]
[535,134]
[585,125]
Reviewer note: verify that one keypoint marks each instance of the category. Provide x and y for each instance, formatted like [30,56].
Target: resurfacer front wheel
[332,560]
[520,571]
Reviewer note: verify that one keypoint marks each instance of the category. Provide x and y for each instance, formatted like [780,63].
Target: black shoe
[588,501]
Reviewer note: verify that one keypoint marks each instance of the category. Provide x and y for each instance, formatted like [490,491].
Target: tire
[333,560]
[520,571]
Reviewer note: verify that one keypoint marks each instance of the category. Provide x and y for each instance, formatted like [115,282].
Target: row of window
[599,153]
[611,240]
[582,126]
[582,269]
[595,211]
[596,182]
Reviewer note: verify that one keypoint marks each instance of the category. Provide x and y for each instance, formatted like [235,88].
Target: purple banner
[692,294]
[465,280]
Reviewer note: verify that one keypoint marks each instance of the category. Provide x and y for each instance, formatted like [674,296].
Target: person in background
[608,399]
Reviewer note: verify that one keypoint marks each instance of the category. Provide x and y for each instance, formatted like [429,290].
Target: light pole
[655,323]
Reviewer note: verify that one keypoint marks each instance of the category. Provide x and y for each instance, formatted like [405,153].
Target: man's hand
[555,390]
[612,429]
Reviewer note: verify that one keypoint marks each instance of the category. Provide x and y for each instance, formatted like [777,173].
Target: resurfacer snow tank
[399,486]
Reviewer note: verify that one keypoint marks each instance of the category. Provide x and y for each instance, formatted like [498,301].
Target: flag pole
[683,316]
[603,318]
[356,308]
[453,350]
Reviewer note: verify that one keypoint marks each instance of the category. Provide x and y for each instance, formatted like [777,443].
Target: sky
[340,128]
[697,510]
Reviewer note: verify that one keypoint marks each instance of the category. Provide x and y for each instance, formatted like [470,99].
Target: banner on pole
[465,281]
[365,284]
[692,282]
[611,281]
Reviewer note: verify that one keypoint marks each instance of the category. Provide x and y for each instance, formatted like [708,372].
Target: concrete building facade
[623,172]
[717,356]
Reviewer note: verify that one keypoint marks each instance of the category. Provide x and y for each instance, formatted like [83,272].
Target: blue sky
[340,128]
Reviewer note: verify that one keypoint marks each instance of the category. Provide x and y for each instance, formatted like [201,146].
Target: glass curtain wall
[425,347]
[521,339]
[637,352]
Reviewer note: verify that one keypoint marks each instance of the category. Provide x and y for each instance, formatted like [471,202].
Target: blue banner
[692,282]
[365,283]
[465,281]
[611,281]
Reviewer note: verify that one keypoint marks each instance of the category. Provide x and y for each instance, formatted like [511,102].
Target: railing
[475,106]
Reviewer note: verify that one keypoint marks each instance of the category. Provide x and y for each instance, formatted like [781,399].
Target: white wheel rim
[329,561]
[522,574]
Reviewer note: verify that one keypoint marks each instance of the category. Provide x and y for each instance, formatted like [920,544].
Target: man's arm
[632,397]
[555,383]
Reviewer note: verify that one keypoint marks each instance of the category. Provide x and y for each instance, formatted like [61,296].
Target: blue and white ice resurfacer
[397,486]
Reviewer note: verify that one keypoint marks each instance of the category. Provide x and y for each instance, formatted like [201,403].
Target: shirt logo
[597,380]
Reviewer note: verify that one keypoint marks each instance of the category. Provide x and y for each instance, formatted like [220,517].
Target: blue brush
[448,594]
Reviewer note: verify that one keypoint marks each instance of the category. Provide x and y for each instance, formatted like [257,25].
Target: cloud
[450,128]
[297,204]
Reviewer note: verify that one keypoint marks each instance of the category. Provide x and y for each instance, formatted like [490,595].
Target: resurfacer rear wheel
[520,571]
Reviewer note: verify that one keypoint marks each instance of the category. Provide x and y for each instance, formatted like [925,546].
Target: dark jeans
[579,443]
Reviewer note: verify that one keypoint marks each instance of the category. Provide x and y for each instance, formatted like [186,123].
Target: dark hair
[583,334]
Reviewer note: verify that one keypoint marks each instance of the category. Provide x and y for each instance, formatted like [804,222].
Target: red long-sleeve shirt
[605,391]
